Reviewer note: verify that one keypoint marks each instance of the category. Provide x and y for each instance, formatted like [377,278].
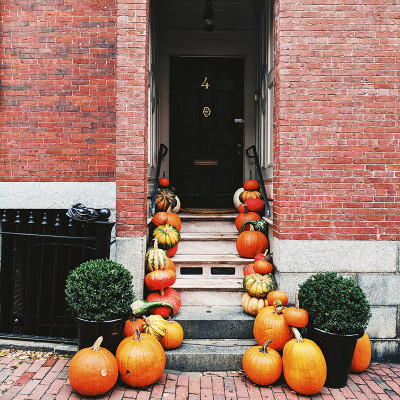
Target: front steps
[209,281]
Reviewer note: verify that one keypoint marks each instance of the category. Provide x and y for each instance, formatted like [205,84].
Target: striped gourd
[156,325]
[155,258]
[168,236]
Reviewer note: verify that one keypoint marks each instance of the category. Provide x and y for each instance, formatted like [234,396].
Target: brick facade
[337,142]
[58,62]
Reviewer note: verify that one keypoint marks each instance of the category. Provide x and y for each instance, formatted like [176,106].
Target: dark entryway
[206,129]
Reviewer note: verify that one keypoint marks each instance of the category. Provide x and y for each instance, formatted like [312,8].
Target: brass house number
[205,83]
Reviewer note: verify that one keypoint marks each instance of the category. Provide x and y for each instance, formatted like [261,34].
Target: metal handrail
[260,179]
[162,152]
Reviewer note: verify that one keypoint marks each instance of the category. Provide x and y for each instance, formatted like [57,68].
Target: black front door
[206,162]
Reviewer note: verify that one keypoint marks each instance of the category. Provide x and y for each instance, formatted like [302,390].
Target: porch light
[208,17]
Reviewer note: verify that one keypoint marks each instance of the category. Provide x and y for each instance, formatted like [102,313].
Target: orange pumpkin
[271,325]
[304,366]
[251,184]
[168,295]
[131,325]
[262,364]
[160,218]
[160,279]
[256,205]
[93,371]
[263,256]
[296,316]
[263,267]
[252,305]
[245,216]
[277,295]
[170,265]
[248,270]
[163,182]
[141,360]
[251,242]
[172,251]
[362,355]
[173,337]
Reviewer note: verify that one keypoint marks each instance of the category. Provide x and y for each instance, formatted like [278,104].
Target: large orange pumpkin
[271,325]
[173,337]
[362,355]
[304,366]
[141,360]
[93,371]
[262,364]
[249,243]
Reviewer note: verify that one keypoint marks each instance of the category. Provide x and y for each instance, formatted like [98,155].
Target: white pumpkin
[236,201]
[178,205]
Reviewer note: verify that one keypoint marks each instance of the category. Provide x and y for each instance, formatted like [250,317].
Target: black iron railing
[260,179]
[162,152]
[38,250]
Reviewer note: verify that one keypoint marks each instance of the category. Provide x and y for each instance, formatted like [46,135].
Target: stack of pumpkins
[252,228]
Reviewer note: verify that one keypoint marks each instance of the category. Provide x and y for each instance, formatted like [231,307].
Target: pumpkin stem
[296,299]
[97,343]
[136,335]
[279,310]
[297,335]
[264,348]
[155,244]
[251,174]
[245,223]
[162,292]
[266,252]
[163,175]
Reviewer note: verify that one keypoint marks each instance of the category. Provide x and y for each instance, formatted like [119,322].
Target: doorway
[206,129]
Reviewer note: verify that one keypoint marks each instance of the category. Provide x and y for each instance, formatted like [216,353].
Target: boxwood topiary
[335,304]
[99,290]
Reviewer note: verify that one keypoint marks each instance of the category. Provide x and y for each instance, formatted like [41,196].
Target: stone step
[198,243]
[202,355]
[225,226]
[215,322]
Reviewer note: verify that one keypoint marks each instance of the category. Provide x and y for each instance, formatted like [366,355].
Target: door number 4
[205,83]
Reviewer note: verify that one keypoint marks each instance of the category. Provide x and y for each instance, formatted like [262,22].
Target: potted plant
[338,315]
[99,293]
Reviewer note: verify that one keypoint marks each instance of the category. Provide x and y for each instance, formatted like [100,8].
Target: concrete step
[202,355]
[199,243]
[209,226]
[215,322]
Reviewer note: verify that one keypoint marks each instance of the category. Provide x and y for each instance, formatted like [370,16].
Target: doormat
[209,210]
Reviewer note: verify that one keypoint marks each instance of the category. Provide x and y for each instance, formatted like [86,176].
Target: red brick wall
[337,129]
[131,128]
[58,100]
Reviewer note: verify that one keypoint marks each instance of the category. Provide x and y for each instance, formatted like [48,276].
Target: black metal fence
[38,249]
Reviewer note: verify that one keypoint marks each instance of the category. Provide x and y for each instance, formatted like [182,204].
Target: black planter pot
[89,331]
[338,351]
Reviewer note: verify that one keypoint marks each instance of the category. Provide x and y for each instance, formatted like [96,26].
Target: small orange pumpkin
[93,371]
[173,337]
[160,279]
[296,316]
[172,251]
[304,366]
[256,205]
[263,267]
[168,295]
[251,184]
[262,364]
[362,354]
[277,295]
[131,325]
[271,325]
[163,182]
[249,194]
[141,360]
[248,269]
[245,216]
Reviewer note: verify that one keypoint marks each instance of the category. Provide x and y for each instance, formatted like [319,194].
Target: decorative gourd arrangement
[93,371]
[168,295]
[304,366]
[262,364]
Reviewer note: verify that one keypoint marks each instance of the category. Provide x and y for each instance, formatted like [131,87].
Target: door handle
[239,121]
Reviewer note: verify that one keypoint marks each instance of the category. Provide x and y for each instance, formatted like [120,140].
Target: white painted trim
[57,195]
[341,256]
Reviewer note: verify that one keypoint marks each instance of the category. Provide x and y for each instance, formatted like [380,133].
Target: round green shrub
[99,290]
[335,304]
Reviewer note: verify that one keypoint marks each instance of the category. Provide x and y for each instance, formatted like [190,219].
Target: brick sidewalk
[47,378]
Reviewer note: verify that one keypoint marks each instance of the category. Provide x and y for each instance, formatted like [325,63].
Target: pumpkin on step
[277,295]
[243,217]
[167,235]
[93,371]
[155,258]
[249,243]
[251,184]
[167,217]
[173,337]
[165,198]
[304,366]
[257,285]
[160,279]
[141,360]
[155,325]
[168,295]
[131,325]
[249,194]
[248,269]
[252,305]
[296,316]
[256,205]
[271,325]
[263,267]
[163,182]
[262,364]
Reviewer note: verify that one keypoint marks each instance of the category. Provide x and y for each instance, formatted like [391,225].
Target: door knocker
[206,112]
